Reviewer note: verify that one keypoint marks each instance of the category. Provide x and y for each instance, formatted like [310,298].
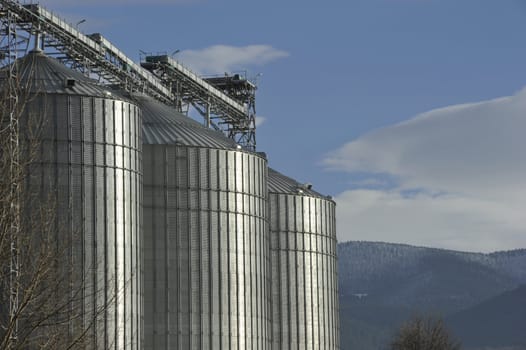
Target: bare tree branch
[424,333]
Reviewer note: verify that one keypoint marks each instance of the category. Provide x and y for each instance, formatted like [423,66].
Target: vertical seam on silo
[94,203]
[337,311]
[190,234]
[246,252]
[139,185]
[139,164]
[275,275]
[85,269]
[238,254]
[330,277]
[229,250]
[178,248]
[238,235]
[256,317]
[314,277]
[220,270]
[189,247]
[261,252]
[153,258]
[297,285]
[133,218]
[288,264]
[105,175]
[303,253]
[281,272]
[332,270]
[69,223]
[115,232]
[256,261]
[124,228]
[206,168]
[131,223]
[311,273]
[249,252]
[54,169]
[336,280]
[166,262]
[307,269]
[229,246]
[319,296]
[313,253]
[197,162]
[294,273]
[326,273]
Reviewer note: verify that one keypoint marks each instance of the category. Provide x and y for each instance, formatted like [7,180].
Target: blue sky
[346,94]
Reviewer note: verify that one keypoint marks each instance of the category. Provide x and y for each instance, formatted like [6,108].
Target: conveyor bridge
[160,76]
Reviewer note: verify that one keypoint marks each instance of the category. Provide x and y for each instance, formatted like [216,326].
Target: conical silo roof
[39,73]
[163,124]
[279,183]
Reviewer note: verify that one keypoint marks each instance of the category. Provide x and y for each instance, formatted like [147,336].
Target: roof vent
[69,83]
[307,185]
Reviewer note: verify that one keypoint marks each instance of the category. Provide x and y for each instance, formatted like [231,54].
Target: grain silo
[303,261]
[206,248]
[88,164]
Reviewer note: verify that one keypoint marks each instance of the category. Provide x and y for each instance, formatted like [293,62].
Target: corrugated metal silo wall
[90,161]
[206,247]
[305,307]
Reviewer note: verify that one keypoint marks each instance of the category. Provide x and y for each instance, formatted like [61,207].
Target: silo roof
[279,183]
[40,73]
[163,124]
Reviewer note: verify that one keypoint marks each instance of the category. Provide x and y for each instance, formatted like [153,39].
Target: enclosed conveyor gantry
[160,77]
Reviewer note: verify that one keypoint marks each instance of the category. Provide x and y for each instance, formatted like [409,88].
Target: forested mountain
[498,321]
[383,284]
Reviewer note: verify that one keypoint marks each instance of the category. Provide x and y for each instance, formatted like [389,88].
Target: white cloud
[260,120]
[449,221]
[461,179]
[219,59]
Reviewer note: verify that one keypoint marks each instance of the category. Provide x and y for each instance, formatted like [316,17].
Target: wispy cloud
[219,59]
[260,120]
[461,179]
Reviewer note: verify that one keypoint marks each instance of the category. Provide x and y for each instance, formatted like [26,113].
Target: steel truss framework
[161,77]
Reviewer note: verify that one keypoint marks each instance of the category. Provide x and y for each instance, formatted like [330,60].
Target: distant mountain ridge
[382,284]
[488,323]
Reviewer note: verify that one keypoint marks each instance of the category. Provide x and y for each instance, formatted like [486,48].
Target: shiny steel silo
[206,281]
[305,308]
[89,162]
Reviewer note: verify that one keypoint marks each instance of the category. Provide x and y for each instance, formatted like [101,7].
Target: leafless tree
[38,258]
[424,333]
